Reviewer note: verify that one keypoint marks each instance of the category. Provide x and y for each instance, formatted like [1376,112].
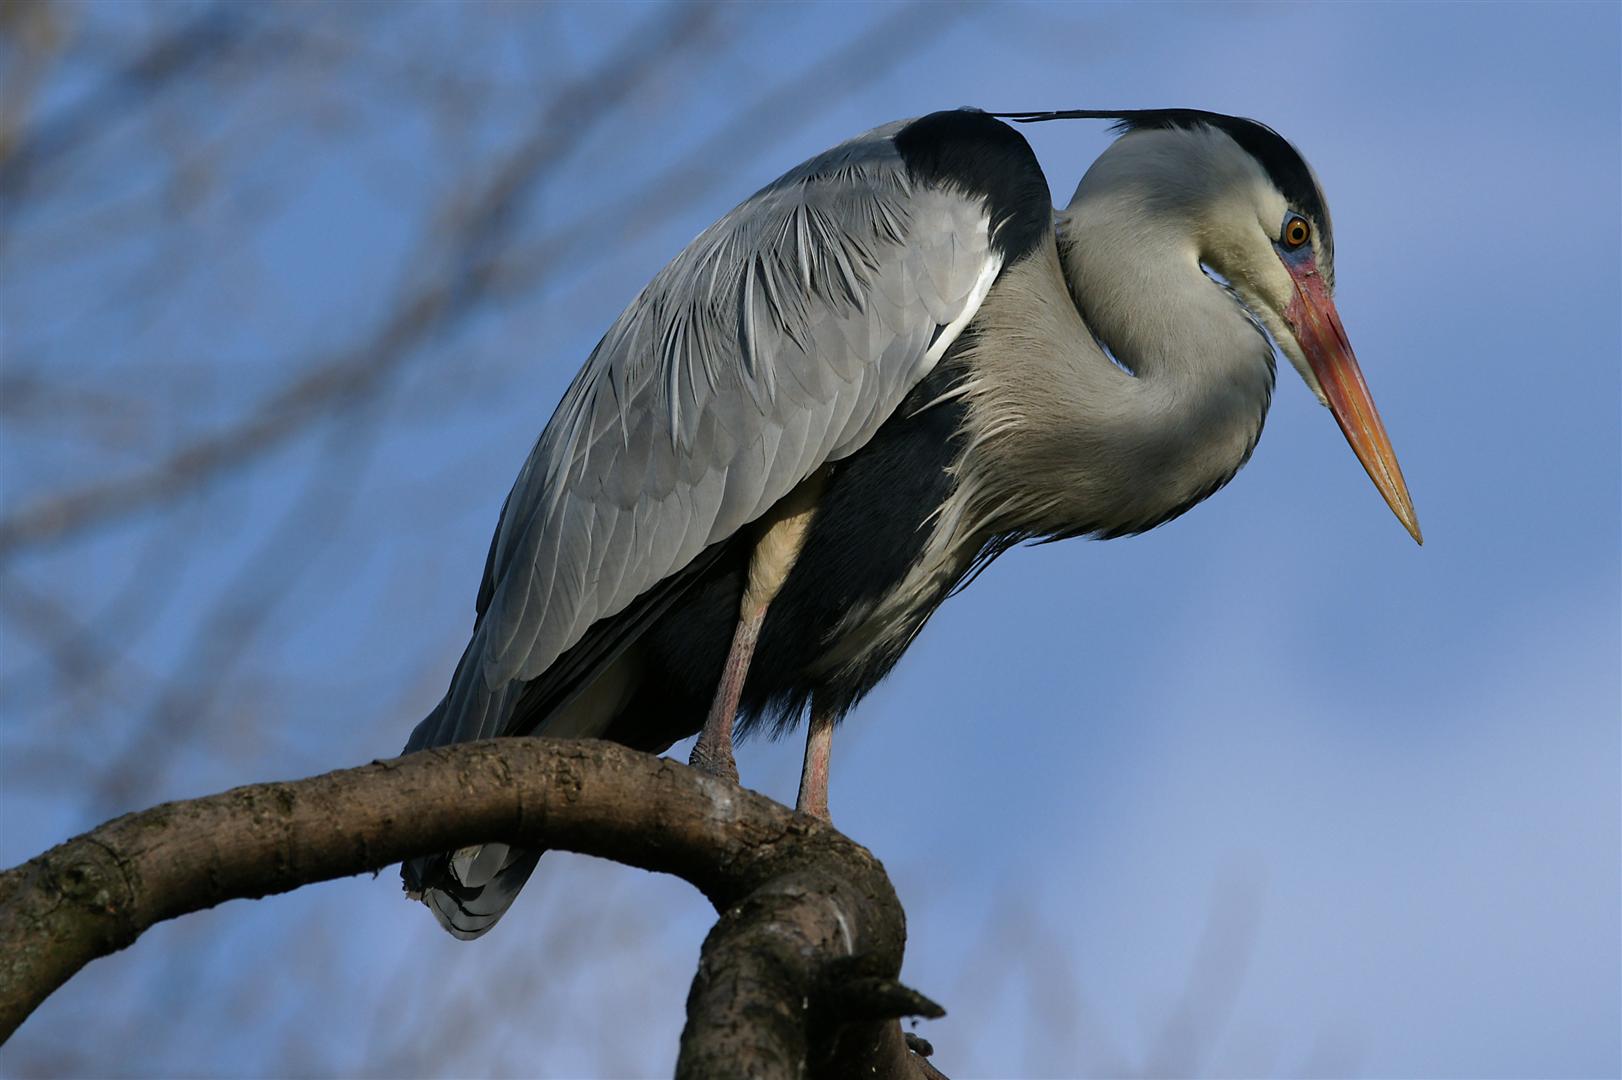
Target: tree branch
[797,978]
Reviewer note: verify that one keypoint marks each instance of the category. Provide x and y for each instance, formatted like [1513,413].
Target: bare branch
[798,977]
[207,38]
[469,263]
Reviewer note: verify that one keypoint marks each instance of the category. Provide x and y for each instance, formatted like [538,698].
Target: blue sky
[1267,791]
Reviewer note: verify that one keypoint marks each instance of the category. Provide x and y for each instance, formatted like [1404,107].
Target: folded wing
[779,340]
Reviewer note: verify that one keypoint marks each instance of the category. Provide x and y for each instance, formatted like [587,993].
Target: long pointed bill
[1311,314]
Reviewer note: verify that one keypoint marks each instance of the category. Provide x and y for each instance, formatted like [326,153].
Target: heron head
[1277,250]
[1253,212]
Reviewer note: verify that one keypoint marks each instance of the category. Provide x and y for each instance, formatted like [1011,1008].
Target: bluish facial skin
[1298,258]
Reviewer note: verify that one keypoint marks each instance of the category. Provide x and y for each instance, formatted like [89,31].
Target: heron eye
[1296,232]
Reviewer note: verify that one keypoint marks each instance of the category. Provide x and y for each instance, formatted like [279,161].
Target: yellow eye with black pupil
[1296,232]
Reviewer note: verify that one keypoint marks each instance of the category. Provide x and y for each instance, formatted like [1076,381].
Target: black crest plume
[1282,163]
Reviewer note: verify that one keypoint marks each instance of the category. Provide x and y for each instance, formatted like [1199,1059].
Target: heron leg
[819,741]
[713,751]
[781,534]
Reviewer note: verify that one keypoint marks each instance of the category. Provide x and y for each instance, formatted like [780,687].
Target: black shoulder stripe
[969,150]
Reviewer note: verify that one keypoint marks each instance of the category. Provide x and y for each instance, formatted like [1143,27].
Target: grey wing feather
[779,340]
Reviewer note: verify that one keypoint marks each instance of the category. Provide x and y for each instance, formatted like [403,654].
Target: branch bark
[798,977]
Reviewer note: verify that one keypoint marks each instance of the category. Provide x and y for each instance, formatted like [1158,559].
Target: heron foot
[714,756]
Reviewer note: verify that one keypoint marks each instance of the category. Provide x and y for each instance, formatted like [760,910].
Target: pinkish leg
[713,751]
[819,741]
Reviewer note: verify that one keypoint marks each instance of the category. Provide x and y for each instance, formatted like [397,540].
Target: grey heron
[848,395]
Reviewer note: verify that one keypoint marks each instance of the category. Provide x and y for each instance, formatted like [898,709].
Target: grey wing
[780,339]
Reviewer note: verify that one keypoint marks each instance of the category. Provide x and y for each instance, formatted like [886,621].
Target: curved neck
[1062,441]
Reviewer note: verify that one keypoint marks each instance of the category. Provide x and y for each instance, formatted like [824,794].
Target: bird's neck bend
[1065,442]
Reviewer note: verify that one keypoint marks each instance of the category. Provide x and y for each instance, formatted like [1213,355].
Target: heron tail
[469,889]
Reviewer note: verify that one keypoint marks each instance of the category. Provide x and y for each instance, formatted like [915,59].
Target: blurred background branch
[459,253]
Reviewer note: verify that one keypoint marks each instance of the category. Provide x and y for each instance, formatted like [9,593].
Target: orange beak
[1311,314]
